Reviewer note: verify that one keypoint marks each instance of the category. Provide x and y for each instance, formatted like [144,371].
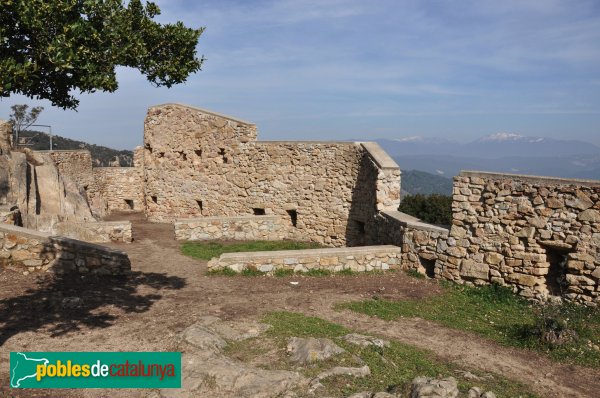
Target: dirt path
[168,292]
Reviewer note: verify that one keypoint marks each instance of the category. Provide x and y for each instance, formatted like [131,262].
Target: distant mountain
[501,152]
[416,181]
[101,156]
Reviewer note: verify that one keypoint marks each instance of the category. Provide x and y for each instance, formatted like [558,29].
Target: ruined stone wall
[539,235]
[28,251]
[75,164]
[234,228]
[119,187]
[97,231]
[198,163]
[357,259]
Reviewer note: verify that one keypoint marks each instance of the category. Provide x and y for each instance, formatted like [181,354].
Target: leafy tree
[50,48]
[21,119]
[435,208]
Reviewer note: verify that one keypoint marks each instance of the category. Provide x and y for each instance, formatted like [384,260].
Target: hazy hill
[101,156]
[416,181]
[502,152]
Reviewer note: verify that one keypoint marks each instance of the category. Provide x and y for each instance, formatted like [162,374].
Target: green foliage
[415,274]
[496,313]
[50,48]
[208,250]
[392,367]
[21,118]
[420,182]
[435,209]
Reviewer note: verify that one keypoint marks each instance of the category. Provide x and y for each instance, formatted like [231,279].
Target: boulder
[307,350]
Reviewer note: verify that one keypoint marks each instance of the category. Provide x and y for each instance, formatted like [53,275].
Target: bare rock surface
[365,341]
[425,387]
[206,371]
[307,350]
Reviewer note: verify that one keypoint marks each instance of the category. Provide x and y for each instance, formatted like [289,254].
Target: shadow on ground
[65,303]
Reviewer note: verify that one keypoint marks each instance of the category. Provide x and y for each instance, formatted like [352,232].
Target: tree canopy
[435,209]
[48,49]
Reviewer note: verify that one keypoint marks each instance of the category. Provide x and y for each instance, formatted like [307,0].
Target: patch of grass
[415,274]
[222,272]
[317,272]
[392,368]
[496,313]
[208,250]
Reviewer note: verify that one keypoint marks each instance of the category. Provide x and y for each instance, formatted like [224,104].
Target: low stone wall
[236,228]
[359,259]
[422,244]
[30,251]
[97,232]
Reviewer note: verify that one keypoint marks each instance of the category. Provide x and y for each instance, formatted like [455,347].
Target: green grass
[392,368]
[208,250]
[496,313]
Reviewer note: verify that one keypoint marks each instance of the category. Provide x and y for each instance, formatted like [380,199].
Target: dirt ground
[168,292]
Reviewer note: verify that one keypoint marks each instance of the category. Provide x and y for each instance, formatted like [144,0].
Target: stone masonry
[357,259]
[232,228]
[199,163]
[30,251]
[540,235]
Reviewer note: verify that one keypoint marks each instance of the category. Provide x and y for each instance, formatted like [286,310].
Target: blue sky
[350,69]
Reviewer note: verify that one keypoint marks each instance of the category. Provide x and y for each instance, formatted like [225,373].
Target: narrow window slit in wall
[428,266]
[129,203]
[293,216]
[199,203]
[259,211]
[222,154]
[154,199]
[556,279]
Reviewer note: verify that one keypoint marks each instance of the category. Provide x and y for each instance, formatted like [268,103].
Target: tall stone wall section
[198,163]
[539,235]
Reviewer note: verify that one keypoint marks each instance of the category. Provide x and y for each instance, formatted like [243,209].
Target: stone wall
[96,232]
[358,259]
[539,235]
[120,188]
[28,251]
[198,163]
[6,137]
[75,164]
[422,244]
[233,228]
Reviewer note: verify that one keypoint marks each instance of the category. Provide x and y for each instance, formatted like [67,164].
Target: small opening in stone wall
[199,203]
[293,216]
[85,188]
[154,199]
[222,154]
[129,203]
[259,211]
[182,155]
[428,265]
[557,257]
[360,227]
[149,148]
[198,152]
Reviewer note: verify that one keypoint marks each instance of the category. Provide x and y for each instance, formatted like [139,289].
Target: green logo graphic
[95,369]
